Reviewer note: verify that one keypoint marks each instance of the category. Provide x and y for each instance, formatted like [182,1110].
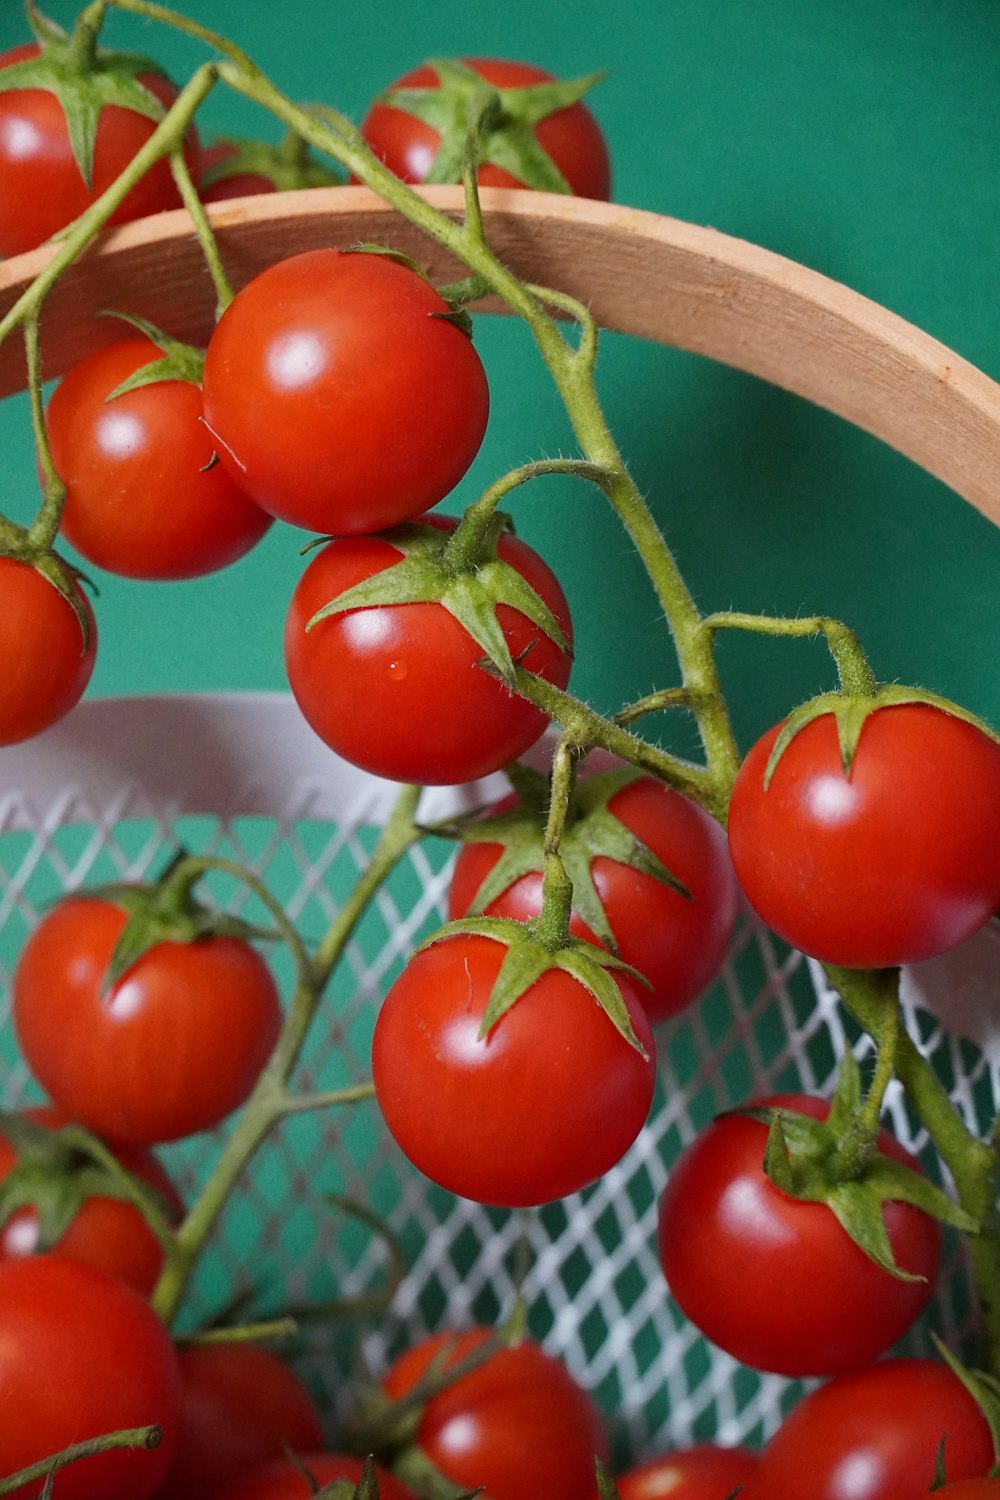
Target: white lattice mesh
[112,792]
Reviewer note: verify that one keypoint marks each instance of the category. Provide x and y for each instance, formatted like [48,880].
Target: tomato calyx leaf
[800,1159]
[851,712]
[455,295]
[471,594]
[606,1487]
[84,81]
[179,361]
[984,1388]
[287,166]
[507,131]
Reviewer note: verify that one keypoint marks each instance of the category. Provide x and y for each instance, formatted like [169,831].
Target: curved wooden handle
[641,273]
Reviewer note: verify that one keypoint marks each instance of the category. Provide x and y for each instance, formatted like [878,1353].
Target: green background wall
[861,139]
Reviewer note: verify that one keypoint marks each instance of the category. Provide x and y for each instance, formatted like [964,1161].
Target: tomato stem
[203,229]
[128,1437]
[43,530]
[855,674]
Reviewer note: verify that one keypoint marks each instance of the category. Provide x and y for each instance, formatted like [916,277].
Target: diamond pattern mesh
[587,1266]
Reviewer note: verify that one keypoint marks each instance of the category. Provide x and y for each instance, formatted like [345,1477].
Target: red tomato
[701,1473]
[171,1049]
[46,665]
[397,689]
[242,1406]
[970,1489]
[41,187]
[729,1239]
[240,185]
[571,136]
[549,1101]
[896,864]
[519,1425]
[678,944]
[284,1480]
[140,499]
[339,396]
[875,1435]
[82,1354]
[107,1232]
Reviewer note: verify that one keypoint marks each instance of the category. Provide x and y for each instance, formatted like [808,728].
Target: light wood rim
[642,273]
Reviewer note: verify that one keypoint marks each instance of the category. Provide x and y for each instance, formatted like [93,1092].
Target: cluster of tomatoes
[341,394]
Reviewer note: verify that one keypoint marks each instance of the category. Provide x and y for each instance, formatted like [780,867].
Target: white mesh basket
[111,792]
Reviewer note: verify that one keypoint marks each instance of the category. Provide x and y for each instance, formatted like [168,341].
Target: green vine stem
[130,1437]
[852,665]
[203,229]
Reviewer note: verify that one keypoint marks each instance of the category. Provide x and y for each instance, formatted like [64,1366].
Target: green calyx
[507,129]
[984,1388]
[287,166]
[165,911]
[591,830]
[84,78]
[469,586]
[179,361]
[455,295]
[53,1176]
[806,1158]
[851,712]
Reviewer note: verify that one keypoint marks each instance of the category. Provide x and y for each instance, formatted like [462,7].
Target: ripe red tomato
[140,499]
[704,1472]
[729,1238]
[874,1435]
[46,665]
[41,187]
[397,689]
[970,1489]
[284,1480]
[82,1354]
[109,1233]
[340,396]
[896,864]
[571,136]
[519,1425]
[173,1047]
[242,1407]
[677,943]
[549,1101]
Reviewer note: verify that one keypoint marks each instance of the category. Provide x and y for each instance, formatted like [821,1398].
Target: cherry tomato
[284,1479]
[41,187]
[172,1048]
[970,1489]
[874,1435]
[46,664]
[397,689]
[141,500]
[571,136]
[107,1232]
[549,1101]
[895,864]
[677,942]
[340,396]
[242,1406]
[82,1354]
[519,1425]
[700,1473]
[729,1238]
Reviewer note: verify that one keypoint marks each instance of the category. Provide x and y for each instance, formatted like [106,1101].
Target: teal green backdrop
[861,139]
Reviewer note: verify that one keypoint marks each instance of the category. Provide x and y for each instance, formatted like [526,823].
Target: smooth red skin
[46,667]
[777,1282]
[704,1472]
[108,1233]
[41,189]
[875,1435]
[82,1354]
[175,1046]
[141,501]
[572,137]
[379,423]
[970,1489]
[678,944]
[399,690]
[547,1103]
[519,1425]
[282,1480]
[896,865]
[241,1405]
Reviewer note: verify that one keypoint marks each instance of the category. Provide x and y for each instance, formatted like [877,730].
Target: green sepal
[528,958]
[507,127]
[287,166]
[606,1487]
[180,361]
[107,78]
[851,711]
[455,313]
[423,576]
[984,1388]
